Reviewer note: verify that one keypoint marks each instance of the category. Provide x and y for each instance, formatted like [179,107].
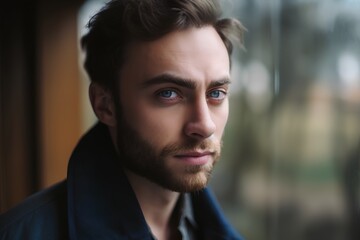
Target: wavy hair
[121,22]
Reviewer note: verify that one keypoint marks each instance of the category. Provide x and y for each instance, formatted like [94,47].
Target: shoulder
[41,216]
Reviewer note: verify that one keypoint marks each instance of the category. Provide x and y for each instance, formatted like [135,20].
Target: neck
[157,205]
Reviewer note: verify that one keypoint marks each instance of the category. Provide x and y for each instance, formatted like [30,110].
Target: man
[159,73]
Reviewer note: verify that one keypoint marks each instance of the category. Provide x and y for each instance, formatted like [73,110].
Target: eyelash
[222,94]
[168,99]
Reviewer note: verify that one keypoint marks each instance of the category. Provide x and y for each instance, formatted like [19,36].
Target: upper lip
[194,154]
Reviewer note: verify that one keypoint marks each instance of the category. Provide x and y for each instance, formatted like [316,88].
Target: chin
[190,183]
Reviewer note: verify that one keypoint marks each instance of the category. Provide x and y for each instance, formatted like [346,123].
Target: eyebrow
[187,83]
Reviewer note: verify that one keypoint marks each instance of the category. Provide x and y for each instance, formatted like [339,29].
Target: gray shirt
[187,225]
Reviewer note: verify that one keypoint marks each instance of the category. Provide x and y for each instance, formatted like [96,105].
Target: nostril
[197,135]
[200,130]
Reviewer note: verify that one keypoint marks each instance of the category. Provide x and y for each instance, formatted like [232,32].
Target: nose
[200,124]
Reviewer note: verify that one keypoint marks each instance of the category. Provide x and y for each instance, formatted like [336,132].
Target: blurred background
[291,159]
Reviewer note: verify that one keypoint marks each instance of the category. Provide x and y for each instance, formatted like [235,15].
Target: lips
[195,158]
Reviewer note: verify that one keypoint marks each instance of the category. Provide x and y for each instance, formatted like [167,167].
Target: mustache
[205,145]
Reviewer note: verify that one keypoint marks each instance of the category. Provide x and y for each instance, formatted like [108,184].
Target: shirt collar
[187,225]
[187,210]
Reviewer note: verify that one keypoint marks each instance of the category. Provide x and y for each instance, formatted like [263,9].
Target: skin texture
[169,119]
[169,122]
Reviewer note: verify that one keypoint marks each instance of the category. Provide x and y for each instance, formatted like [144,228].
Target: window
[291,160]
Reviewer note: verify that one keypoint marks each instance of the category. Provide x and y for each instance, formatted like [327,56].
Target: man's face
[173,108]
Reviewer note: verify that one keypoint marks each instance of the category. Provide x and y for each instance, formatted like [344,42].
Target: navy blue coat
[97,202]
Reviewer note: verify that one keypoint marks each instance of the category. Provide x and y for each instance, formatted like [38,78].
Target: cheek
[157,126]
[220,117]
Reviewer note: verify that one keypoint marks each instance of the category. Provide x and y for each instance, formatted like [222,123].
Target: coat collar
[102,204]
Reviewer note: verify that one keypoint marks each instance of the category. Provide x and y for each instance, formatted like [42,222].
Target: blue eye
[168,94]
[217,94]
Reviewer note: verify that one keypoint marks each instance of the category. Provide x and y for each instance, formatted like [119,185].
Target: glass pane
[291,160]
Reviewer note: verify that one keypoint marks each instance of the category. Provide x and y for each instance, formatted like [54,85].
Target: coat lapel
[101,202]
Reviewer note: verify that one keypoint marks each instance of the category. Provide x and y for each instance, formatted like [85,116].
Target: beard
[161,167]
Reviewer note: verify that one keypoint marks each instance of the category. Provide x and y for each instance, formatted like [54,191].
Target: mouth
[195,157]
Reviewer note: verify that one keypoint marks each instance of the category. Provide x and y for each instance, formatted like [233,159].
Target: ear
[102,103]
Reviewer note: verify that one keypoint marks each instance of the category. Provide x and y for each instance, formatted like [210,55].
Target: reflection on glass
[291,163]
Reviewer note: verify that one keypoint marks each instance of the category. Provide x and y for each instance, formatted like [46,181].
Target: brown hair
[121,22]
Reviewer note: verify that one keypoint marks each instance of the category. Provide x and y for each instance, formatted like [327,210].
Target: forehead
[195,53]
